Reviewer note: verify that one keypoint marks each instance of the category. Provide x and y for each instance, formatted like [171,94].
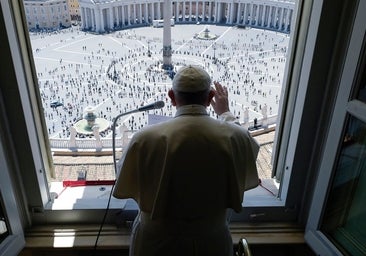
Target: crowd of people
[114,73]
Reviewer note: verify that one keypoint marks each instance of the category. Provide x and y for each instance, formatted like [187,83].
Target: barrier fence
[105,144]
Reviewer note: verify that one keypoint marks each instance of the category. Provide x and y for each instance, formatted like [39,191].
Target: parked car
[56,104]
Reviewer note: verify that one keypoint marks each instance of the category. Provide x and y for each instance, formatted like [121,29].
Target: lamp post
[148,49]
[214,53]
[114,70]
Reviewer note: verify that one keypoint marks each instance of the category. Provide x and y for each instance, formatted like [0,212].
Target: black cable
[103,220]
[110,194]
[158,104]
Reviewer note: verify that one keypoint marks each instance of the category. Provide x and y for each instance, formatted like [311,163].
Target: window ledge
[114,238]
[96,197]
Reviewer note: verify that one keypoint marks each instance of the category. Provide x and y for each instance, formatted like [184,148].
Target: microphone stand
[115,171]
[155,105]
[114,134]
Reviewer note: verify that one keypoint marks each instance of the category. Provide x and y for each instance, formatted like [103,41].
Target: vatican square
[120,71]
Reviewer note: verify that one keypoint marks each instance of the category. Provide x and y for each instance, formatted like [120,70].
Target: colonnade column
[210,10]
[281,26]
[215,11]
[129,14]
[93,21]
[159,11]
[259,15]
[153,11]
[197,14]
[190,10]
[266,16]
[238,12]
[226,13]
[263,14]
[102,25]
[134,14]
[269,17]
[252,18]
[89,17]
[246,7]
[150,7]
[97,21]
[289,18]
[275,16]
[111,22]
[116,16]
[256,15]
[230,13]
[123,15]
[146,13]
[82,17]
[176,11]
[140,13]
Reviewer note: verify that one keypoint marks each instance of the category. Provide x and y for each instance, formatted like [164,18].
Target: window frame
[346,105]
[14,241]
[24,70]
[298,75]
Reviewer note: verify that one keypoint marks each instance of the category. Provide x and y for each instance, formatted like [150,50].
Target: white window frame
[24,77]
[274,209]
[14,242]
[344,107]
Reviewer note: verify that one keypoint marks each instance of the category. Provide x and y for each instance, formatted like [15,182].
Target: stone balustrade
[98,144]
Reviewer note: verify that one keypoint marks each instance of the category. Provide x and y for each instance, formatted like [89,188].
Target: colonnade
[105,15]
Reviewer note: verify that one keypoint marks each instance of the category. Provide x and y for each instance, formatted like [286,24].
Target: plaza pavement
[114,74]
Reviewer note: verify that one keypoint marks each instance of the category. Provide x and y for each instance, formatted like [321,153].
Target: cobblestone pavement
[101,167]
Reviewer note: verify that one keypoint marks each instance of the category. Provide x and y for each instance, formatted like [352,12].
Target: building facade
[47,14]
[101,16]
[74,10]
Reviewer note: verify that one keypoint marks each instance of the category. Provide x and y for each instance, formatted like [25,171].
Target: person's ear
[172,97]
[210,96]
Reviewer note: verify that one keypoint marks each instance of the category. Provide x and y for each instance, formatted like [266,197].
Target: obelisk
[167,36]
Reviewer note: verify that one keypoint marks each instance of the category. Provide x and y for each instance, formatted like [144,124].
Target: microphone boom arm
[156,105]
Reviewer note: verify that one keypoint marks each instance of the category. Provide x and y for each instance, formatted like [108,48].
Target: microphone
[155,105]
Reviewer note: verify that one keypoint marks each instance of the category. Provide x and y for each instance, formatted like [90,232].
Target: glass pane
[4,232]
[92,69]
[344,220]
[362,92]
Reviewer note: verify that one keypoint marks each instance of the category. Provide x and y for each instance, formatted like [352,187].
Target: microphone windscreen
[159,104]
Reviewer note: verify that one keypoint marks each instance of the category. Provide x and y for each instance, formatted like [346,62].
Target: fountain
[206,35]
[91,122]
[90,117]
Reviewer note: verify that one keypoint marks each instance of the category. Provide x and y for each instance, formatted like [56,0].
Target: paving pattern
[113,74]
